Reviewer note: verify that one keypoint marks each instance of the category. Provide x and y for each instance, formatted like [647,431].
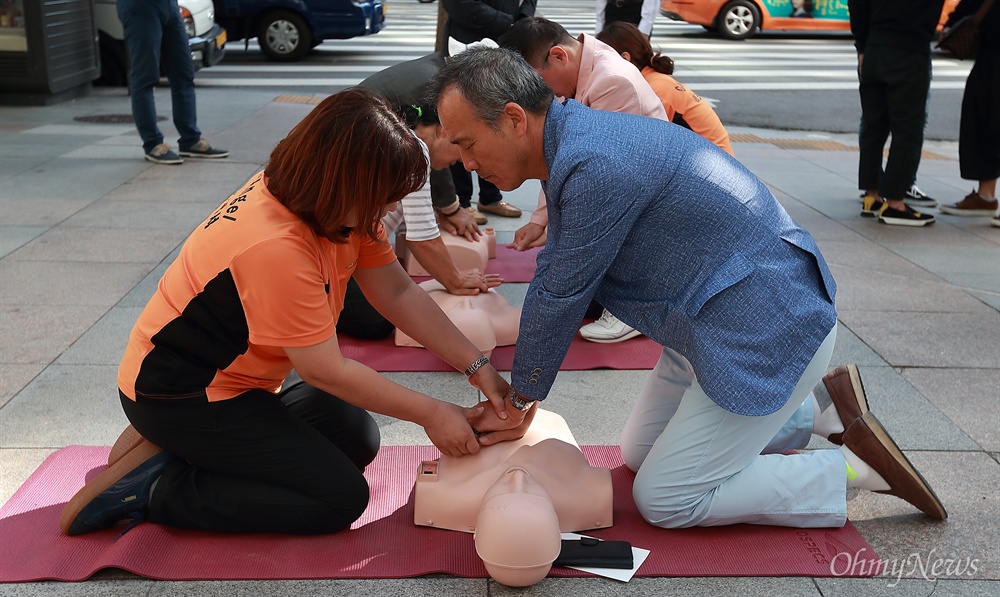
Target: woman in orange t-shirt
[224,435]
[683,106]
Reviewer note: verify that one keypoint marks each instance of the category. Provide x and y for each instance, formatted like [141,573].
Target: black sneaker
[119,494]
[907,217]
[161,154]
[871,205]
[917,198]
[202,149]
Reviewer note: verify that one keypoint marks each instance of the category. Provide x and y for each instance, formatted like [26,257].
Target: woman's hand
[494,387]
[450,431]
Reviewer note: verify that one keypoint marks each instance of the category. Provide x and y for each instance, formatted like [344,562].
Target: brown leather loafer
[128,439]
[480,218]
[501,208]
[872,444]
[848,395]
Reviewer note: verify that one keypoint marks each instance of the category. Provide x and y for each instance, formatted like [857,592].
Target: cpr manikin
[487,319]
[465,254]
[517,497]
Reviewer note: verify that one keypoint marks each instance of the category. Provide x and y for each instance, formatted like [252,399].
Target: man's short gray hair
[489,79]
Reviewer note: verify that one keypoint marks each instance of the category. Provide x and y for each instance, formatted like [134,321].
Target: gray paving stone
[944,339]
[969,397]
[65,405]
[104,343]
[31,334]
[14,237]
[67,283]
[14,376]
[103,245]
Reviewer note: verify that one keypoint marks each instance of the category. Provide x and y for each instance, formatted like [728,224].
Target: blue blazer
[680,241]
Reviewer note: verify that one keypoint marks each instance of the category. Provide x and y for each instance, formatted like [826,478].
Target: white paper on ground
[638,557]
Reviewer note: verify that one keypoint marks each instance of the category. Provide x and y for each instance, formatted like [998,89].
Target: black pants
[894,87]
[258,463]
[979,131]
[488,192]
[629,12]
[359,318]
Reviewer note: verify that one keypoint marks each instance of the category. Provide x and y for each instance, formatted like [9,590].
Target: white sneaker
[608,329]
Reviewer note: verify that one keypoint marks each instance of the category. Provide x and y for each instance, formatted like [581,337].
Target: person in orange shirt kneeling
[225,436]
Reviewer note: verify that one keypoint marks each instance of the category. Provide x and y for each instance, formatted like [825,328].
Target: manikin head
[517,531]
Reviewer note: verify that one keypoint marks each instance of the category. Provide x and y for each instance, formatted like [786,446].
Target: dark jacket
[908,24]
[473,20]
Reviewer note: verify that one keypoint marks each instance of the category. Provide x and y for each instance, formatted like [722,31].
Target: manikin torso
[532,486]
[487,319]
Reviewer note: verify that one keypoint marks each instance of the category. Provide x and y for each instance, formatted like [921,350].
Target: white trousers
[698,464]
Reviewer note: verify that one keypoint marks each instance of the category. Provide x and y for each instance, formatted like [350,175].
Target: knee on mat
[633,455]
[338,512]
[661,507]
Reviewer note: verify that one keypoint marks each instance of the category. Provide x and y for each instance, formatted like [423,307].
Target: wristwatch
[518,401]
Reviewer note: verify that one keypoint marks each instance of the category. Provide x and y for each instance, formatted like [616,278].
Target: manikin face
[496,155]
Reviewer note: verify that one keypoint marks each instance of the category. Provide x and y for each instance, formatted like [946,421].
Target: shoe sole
[188,154]
[628,336]
[968,212]
[920,203]
[129,439]
[857,389]
[909,223]
[156,160]
[935,509]
[99,484]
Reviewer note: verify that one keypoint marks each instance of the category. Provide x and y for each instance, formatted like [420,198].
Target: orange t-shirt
[251,279]
[678,99]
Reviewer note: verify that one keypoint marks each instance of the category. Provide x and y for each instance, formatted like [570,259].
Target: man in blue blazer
[686,245]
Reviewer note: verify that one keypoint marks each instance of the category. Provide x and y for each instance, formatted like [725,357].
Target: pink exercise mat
[513,266]
[384,543]
[384,355]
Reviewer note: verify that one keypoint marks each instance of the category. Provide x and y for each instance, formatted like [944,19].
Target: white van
[207,38]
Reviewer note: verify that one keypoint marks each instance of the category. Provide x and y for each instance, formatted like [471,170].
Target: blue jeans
[154,34]
[699,465]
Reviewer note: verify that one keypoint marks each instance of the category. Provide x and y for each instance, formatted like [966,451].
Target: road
[800,81]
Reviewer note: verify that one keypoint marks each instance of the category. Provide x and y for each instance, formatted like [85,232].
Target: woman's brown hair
[352,152]
[626,37]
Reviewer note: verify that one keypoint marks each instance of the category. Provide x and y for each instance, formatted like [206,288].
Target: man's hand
[450,431]
[528,236]
[493,430]
[472,282]
[461,223]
